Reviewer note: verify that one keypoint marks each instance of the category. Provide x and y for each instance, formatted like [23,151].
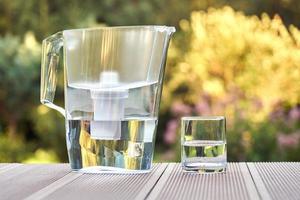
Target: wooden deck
[274,180]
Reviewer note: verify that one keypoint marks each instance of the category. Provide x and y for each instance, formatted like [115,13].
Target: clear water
[133,151]
[95,139]
[141,100]
[204,155]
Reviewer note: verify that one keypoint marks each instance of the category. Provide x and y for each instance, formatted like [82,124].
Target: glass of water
[203,144]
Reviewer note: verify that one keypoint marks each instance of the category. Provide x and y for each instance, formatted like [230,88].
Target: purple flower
[294,114]
[290,140]
[277,113]
[170,134]
[258,104]
[180,109]
[202,108]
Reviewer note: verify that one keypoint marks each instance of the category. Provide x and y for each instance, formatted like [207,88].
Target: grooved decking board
[3,164]
[282,180]
[8,167]
[109,186]
[165,181]
[176,184]
[21,181]
[54,186]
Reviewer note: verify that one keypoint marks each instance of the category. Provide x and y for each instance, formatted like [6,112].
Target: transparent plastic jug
[113,82]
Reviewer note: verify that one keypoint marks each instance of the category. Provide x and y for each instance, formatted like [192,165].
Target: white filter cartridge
[109,106]
[105,130]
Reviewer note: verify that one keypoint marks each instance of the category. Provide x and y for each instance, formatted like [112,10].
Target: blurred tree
[242,67]
[46,17]
[19,75]
[22,117]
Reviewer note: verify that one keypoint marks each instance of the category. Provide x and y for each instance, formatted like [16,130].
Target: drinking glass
[203,144]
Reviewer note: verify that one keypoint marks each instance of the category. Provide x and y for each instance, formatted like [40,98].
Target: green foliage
[19,75]
[49,127]
[221,62]
[13,150]
[42,156]
[47,17]
[244,68]
[21,117]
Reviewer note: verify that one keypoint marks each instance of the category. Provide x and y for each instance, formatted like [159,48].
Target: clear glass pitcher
[113,83]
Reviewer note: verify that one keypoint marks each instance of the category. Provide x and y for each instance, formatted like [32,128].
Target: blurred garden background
[238,58]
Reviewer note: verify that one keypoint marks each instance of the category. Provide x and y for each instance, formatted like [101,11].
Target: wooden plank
[281,180]
[152,182]
[109,186]
[72,176]
[165,181]
[177,184]
[3,164]
[7,167]
[54,186]
[260,186]
[20,182]
[162,181]
[250,185]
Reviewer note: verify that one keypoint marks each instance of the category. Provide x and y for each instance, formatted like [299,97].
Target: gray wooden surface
[280,180]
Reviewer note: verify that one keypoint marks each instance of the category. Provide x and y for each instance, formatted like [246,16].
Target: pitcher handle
[50,60]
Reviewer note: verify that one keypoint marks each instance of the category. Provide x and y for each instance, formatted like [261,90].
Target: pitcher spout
[168,29]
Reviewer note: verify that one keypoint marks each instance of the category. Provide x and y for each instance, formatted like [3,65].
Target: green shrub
[244,67]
